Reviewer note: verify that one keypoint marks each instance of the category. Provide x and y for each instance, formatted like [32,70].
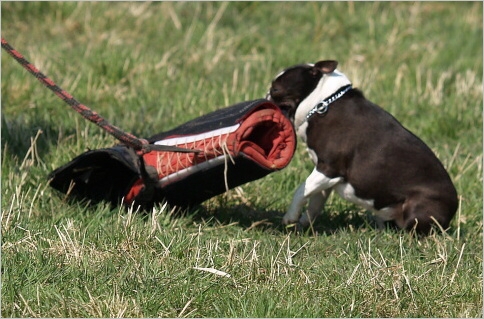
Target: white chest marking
[301,131]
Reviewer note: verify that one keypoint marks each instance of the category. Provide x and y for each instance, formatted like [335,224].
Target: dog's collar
[322,107]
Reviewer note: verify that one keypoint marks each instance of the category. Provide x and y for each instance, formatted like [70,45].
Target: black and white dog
[360,151]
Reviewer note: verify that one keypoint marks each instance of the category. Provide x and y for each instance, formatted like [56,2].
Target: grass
[148,67]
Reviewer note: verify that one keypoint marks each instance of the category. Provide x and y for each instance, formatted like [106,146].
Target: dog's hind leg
[422,213]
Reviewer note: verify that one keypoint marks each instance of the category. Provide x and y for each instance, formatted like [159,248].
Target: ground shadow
[248,218]
[17,136]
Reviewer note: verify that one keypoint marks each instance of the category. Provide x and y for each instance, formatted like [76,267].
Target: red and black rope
[138,144]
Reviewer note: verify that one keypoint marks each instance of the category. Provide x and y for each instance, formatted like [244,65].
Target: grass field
[148,67]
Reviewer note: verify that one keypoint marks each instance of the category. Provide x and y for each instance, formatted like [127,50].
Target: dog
[361,152]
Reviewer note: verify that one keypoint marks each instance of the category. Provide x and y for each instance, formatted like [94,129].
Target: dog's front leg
[315,206]
[314,185]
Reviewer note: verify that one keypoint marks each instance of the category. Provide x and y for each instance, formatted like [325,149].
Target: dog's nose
[268,95]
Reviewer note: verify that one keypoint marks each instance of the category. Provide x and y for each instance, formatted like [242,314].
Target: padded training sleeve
[237,144]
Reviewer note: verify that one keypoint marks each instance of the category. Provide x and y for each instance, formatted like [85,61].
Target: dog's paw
[289,224]
[299,224]
[304,221]
[296,228]
[289,219]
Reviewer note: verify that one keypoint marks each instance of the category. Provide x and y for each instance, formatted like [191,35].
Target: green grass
[148,67]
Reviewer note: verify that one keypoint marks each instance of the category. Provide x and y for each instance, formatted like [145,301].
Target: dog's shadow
[253,218]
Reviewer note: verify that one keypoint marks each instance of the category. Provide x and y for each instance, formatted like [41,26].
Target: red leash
[140,145]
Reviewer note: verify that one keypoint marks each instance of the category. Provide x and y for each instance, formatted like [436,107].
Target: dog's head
[295,83]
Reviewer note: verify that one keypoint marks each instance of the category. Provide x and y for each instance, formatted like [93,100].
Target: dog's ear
[326,66]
